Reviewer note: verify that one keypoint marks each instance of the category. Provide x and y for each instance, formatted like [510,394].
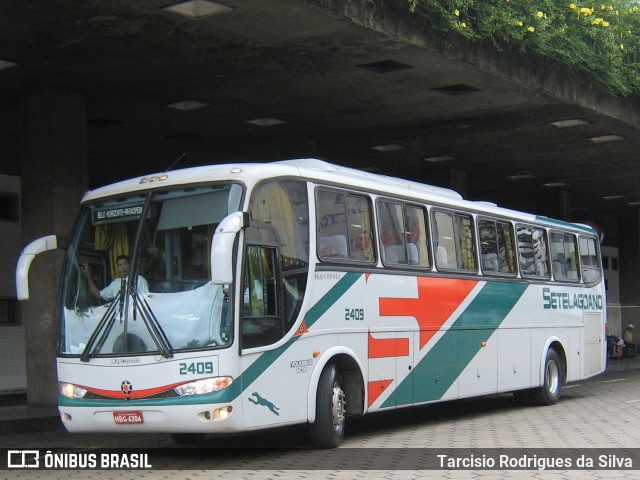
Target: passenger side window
[454,244]
[589,259]
[344,227]
[497,250]
[276,262]
[261,319]
[403,233]
[532,251]
[564,257]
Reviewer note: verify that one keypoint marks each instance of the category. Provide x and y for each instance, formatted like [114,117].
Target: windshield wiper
[105,325]
[151,322]
[117,309]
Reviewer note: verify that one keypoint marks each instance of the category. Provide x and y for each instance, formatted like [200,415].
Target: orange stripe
[437,300]
[135,393]
[388,347]
[375,389]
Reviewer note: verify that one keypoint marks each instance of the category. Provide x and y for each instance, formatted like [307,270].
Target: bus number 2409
[354,314]
[196,368]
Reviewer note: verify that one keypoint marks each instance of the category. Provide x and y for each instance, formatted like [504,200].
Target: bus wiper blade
[116,310]
[141,306]
[153,326]
[103,328]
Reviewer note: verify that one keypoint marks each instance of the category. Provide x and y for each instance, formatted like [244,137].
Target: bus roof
[311,168]
[352,173]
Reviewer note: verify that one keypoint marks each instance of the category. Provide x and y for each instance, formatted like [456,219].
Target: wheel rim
[338,408]
[552,379]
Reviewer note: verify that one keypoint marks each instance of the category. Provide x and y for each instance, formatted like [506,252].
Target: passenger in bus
[334,246]
[631,348]
[110,291]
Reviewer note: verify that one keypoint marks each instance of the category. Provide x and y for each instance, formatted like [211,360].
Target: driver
[110,291]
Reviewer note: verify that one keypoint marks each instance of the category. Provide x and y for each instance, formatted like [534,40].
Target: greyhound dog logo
[264,402]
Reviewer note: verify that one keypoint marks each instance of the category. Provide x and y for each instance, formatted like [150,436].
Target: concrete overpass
[97,91]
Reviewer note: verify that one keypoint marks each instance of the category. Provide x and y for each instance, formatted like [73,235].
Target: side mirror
[222,247]
[39,245]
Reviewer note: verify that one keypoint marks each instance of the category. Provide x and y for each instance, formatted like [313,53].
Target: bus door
[276,366]
[594,320]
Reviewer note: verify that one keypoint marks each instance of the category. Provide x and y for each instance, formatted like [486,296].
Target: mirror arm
[222,247]
[39,245]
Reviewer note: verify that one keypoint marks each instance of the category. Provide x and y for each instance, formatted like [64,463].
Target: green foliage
[599,40]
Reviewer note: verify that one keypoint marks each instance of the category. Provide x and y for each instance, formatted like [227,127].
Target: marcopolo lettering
[570,301]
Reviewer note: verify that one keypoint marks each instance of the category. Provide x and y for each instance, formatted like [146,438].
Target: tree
[599,40]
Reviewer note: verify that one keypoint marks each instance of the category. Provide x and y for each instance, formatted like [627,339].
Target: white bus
[261,295]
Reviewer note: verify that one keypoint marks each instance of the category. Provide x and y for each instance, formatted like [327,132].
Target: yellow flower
[605,24]
[531,29]
[456,12]
[596,21]
[572,6]
[463,25]
[540,14]
[621,47]
[520,24]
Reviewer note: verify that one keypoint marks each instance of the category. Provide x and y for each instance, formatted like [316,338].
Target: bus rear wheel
[549,392]
[331,403]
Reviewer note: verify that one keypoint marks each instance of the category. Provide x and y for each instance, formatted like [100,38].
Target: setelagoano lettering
[567,301]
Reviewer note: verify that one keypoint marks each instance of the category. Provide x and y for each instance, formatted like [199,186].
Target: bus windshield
[138,274]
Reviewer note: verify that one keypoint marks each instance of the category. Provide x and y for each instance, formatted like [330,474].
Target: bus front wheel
[549,392]
[331,402]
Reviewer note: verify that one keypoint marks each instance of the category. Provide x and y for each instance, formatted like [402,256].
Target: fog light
[65,417]
[222,413]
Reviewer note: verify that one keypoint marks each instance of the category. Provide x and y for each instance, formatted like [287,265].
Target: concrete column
[629,264]
[454,178]
[554,204]
[54,177]
[459,181]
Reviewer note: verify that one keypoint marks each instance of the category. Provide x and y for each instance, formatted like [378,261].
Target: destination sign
[113,214]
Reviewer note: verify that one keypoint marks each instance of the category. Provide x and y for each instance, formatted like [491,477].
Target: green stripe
[247,377]
[561,223]
[441,366]
[332,296]
[258,367]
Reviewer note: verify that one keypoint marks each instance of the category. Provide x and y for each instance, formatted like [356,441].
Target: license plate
[127,418]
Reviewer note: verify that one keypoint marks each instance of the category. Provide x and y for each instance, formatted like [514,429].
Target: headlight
[206,385]
[70,390]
